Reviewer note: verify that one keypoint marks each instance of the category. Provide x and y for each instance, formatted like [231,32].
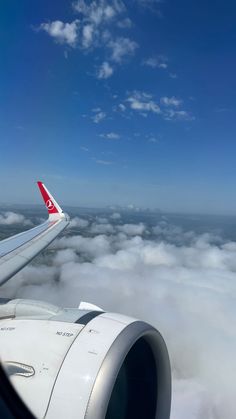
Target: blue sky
[119,102]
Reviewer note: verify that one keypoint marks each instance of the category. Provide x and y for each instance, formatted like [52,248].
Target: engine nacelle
[73,363]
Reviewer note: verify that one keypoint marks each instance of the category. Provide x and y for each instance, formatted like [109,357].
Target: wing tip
[53,208]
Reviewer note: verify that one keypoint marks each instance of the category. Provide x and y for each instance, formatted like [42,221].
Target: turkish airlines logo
[49,205]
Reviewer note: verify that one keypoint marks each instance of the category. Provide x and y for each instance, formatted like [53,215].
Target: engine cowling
[84,364]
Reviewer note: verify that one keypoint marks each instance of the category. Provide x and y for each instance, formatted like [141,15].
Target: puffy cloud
[122,47]
[102,228]
[100,11]
[95,29]
[171,101]
[182,283]
[132,229]
[105,71]
[65,33]
[79,222]
[65,256]
[87,35]
[90,246]
[111,136]
[115,216]
[143,102]
[9,217]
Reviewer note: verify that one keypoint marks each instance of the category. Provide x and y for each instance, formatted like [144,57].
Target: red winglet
[51,205]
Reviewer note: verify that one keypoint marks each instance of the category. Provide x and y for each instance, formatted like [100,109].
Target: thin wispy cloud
[159,61]
[121,107]
[98,117]
[181,115]
[104,162]
[150,6]
[125,23]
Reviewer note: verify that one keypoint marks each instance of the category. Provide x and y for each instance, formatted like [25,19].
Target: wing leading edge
[17,251]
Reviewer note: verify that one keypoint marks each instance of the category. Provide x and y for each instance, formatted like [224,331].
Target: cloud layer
[181,282]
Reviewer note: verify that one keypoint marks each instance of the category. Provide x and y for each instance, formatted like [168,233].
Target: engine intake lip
[106,378]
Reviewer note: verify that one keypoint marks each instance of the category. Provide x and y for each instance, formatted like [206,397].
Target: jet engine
[84,363]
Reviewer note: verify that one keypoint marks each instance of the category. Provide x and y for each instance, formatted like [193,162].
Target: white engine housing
[73,363]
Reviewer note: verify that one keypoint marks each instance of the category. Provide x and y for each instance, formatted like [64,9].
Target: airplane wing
[17,251]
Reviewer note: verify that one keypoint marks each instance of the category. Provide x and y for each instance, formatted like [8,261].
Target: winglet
[54,209]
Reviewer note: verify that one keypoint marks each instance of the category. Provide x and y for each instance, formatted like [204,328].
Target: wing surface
[17,251]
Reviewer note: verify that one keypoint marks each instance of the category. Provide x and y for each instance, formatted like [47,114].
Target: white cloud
[78,222]
[88,34]
[96,28]
[110,136]
[141,101]
[102,228]
[156,62]
[122,47]
[105,71]
[98,117]
[100,11]
[187,290]
[171,101]
[93,247]
[65,256]
[9,217]
[144,103]
[132,229]
[64,33]
[115,216]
